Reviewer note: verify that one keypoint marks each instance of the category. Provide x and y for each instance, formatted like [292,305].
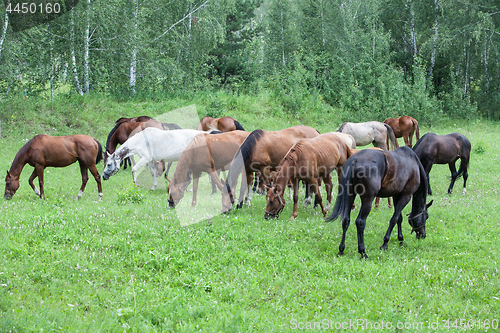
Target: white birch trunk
[434,41]
[4,31]
[86,67]
[133,60]
[466,58]
[412,29]
[72,51]
[282,39]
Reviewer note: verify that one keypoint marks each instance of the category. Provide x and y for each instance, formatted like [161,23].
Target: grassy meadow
[127,264]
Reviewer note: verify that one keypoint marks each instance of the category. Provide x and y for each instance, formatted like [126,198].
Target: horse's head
[275,202]
[175,194]
[112,165]
[417,222]
[11,185]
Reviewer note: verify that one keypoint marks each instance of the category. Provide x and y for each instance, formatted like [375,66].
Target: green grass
[126,264]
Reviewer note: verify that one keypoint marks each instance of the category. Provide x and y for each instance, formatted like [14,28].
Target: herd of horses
[277,160]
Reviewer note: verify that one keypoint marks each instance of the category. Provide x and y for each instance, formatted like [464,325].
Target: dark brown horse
[55,151]
[370,173]
[262,152]
[404,127]
[223,124]
[308,159]
[445,149]
[208,153]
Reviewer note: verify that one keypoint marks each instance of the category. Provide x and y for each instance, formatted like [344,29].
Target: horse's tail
[342,207]
[238,125]
[99,152]
[242,158]
[464,154]
[391,137]
[415,126]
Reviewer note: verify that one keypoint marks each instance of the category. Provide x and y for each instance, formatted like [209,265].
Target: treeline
[368,58]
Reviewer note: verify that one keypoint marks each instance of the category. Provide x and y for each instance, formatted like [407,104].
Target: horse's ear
[8,174]
[429,204]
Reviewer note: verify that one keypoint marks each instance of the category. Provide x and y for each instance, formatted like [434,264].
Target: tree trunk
[51,79]
[434,42]
[282,39]
[412,29]
[466,58]
[133,61]
[72,51]
[86,67]
[4,32]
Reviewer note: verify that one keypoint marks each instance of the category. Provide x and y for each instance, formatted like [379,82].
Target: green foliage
[480,147]
[130,194]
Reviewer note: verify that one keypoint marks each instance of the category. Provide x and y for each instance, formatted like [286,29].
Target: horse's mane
[341,127]
[22,153]
[110,135]
[248,146]
[419,141]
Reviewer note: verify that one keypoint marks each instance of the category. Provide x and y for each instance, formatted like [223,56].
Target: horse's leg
[399,204]
[168,169]
[213,181]
[307,199]
[454,175]
[295,199]
[464,163]
[366,206]
[248,198]
[30,181]
[142,161]
[85,178]
[153,174]
[389,202]
[39,171]
[97,177]
[328,187]
[377,200]
[317,195]
[428,171]
[196,179]
[345,225]
[246,179]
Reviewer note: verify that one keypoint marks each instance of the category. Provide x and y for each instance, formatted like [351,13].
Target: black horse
[374,173]
[444,149]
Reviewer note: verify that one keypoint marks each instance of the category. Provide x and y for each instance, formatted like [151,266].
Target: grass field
[126,264]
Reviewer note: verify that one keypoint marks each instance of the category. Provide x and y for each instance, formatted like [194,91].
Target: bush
[131,194]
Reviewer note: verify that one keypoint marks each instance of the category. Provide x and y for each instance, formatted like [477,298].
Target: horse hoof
[340,254]
[384,247]
[464,191]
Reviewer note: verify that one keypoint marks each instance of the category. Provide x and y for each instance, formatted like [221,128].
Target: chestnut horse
[208,153]
[444,149]
[405,127]
[370,173]
[55,151]
[223,124]
[262,152]
[308,159]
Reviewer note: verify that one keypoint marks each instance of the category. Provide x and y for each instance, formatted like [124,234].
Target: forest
[366,58]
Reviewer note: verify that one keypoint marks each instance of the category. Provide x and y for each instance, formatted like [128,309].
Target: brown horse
[223,124]
[55,151]
[307,160]
[262,152]
[445,149]
[208,153]
[404,127]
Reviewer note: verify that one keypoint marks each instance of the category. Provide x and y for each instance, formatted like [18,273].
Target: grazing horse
[223,124]
[370,173]
[55,151]
[126,127]
[150,144]
[308,159]
[405,127]
[370,132]
[208,153]
[262,152]
[444,149]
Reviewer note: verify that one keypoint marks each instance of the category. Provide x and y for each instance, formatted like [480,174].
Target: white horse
[150,144]
[370,132]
